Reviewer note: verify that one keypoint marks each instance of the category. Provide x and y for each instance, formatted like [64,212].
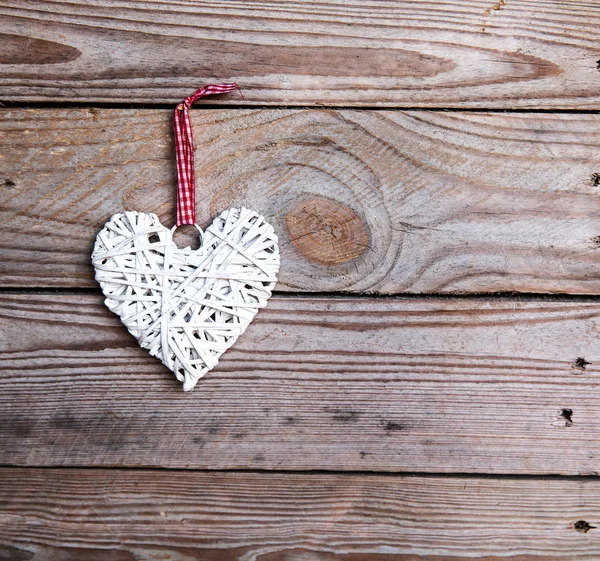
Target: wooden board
[124,515]
[371,384]
[338,428]
[375,201]
[461,53]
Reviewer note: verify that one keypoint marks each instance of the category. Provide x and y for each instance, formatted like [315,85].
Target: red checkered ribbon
[184,150]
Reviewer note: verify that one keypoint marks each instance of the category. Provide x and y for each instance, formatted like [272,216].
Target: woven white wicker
[187,306]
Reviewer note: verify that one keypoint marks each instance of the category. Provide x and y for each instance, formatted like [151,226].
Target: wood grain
[125,515]
[435,385]
[409,53]
[376,201]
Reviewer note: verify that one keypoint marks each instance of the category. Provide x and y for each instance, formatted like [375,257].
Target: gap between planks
[318,472]
[6,105]
[492,296]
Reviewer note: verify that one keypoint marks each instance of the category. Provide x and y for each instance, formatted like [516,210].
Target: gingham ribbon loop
[184,151]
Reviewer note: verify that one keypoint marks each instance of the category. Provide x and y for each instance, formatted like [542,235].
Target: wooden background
[425,383]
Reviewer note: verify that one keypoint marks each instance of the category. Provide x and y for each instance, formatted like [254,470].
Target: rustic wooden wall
[424,385]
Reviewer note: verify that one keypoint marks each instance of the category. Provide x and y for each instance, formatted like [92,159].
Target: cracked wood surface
[464,53]
[430,385]
[363,201]
[126,515]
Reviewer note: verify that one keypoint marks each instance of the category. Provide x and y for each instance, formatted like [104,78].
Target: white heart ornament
[187,306]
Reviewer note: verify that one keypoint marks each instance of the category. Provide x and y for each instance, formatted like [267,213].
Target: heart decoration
[185,306]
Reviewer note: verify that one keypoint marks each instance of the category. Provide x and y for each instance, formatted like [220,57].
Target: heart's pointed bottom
[189,385]
[187,307]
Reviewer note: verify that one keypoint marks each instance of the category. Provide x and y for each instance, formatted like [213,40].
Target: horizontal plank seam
[493,296]
[323,472]
[8,104]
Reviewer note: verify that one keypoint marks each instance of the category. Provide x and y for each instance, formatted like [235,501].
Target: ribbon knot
[184,151]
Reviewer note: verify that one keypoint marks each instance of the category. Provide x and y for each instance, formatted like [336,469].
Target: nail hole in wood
[595,177]
[580,363]
[583,526]
[567,414]
[563,419]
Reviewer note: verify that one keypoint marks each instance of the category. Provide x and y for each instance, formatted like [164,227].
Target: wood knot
[326,231]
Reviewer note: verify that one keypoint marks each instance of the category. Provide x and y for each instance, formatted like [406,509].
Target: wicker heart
[187,307]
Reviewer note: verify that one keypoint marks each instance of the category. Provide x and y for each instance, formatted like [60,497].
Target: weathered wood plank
[462,53]
[123,515]
[376,201]
[436,385]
